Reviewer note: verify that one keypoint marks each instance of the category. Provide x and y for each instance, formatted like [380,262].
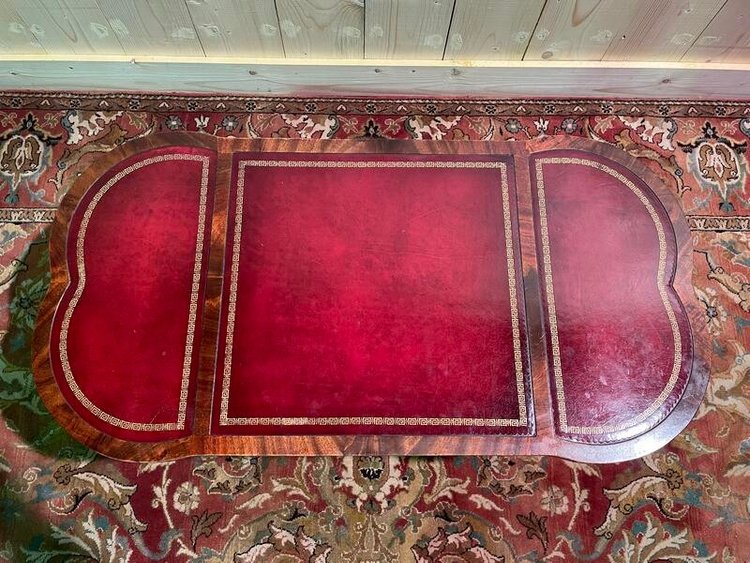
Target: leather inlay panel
[127,343]
[619,340]
[368,284]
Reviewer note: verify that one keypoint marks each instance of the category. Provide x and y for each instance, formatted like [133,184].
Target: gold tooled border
[550,293]
[226,420]
[192,317]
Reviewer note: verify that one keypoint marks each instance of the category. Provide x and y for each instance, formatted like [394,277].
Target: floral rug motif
[687,502]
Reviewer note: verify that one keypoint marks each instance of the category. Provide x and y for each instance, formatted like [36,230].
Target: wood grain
[16,36]
[407,30]
[492,29]
[372,78]
[237,28]
[616,30]
[580,29]
[145,27]
[201,442]
[662,30]
[322,28]
[69,26]
[727,37]
[467,30]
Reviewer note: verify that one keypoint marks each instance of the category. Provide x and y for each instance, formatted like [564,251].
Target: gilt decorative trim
[661,283]
[179,424]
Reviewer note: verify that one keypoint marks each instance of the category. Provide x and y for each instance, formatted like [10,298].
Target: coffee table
[281,297]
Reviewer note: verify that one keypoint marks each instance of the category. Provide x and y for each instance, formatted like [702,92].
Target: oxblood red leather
[205,295]
[623,340]
[364,293]
[126,334]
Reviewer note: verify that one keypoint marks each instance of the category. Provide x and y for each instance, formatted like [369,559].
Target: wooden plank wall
[458,30]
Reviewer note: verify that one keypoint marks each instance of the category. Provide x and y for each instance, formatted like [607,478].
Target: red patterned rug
[687,502]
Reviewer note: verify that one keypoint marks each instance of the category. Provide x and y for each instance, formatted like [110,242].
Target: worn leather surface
[616,335]
[126,343]
[372,293]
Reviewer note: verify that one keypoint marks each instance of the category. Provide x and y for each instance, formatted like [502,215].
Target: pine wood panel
[237,27]
[510,30]
[407,30]
[153,28]
[15,35]
[492,29]
[322,28]
[619,30]
[69,26]
[579,29]
[663,30]
[727,37]
[604,81]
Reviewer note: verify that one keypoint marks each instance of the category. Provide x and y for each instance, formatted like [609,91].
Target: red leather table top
[251,297]
[615,327]
[361,287]
[126,326]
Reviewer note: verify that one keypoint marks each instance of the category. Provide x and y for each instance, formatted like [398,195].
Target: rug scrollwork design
[686,502]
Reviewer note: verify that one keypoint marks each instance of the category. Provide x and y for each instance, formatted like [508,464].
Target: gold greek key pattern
[192,317]
[661,283]
[374,164]
[373,421]
[513,293]
[225,419]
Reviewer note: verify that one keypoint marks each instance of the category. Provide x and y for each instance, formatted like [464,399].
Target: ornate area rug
[687,502]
